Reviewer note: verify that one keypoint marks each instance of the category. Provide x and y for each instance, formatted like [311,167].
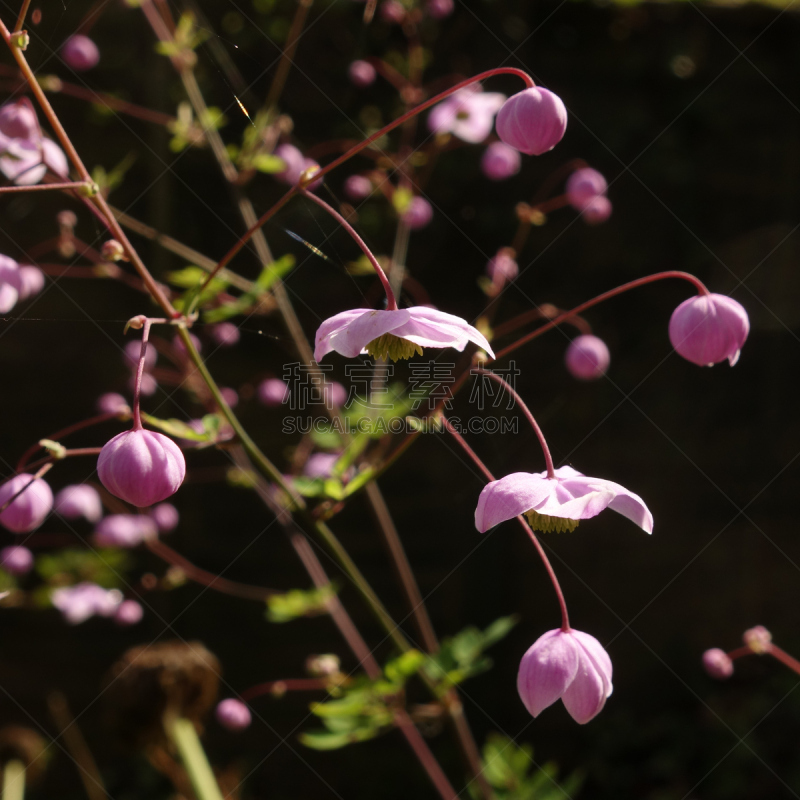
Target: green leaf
[299,603]
[266,162]
[66,567]
[330,740]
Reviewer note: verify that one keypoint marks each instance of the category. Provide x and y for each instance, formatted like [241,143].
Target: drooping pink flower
[10,283]
[357,187]
[394,334]
[141,467]
[532,121]
[556,504]
[500,161]
[129,612]
[124,530]
[77,501]
[80,53]
[468,114]
[27,511]
[272,392]
[709,328]
[570,665]
[25,154]
[16,560]
[758,639]
[84,600]
[583,186]
[587,357]
[418,214]
[361,73]
[166,516]
[717,663]
[233,714]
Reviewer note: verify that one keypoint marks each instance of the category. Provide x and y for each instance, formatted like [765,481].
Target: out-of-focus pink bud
[112,403]
[584,185]
[358,187]
[392,11]
[124,530]
[597,210]
[133,351]
[225,334]
[230,396]
[272,392]
[418,214]
[27,511]
[233,714]
[16,560]
[77,501]
[141,467]
[532,121]
[758,639]
[717,663]
[10,283]
[587,358]
[80,53]
[500,161]
[166,516]
[334,393]
[84,600]
[320,465]
[361,73]
[439,9]
[129,613]
[31,281]
[502,268]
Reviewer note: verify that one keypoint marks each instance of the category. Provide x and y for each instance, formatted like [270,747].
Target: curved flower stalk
[556,503]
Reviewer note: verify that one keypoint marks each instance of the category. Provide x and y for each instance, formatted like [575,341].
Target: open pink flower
[570,665]
[467,114]
[556,504]
[25,154]
[394,334]
[709,328]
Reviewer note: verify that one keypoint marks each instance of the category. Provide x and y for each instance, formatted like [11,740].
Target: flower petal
[510,496]
[429,327]
[547,669]
[587,693]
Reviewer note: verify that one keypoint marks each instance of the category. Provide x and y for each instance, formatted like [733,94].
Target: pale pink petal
[430,327]
[510,496]
[547,670]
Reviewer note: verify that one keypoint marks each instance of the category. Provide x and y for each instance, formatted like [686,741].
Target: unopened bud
[112,250]
[717,663]
[323,666]
[758,639]
[20,39]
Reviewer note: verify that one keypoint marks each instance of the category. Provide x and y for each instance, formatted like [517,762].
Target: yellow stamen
[392,347]
[547,524]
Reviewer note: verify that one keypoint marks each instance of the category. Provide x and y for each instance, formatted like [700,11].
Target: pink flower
[31,281]
[439,9]
[225,334]
[532,121]
[467,114]
[597,210]
[10,283]
[27,511]
[84,600]
[717,663]
[583,186]
[570,665]
[587,358]
[361,73]
[394,334]
[77,501]
[709,328]
[16,560]
[129,612]
[556,504]
[357,187]
[233,714]
[25,154]
[392,11]
[500,161]
[124,530]
[112,403]
[272,392]
[502,268]
[166,517]
[141,467]
[418,214]
[80,53]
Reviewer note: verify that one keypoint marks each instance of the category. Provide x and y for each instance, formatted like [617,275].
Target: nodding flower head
[709,328]
[532,121]
[141,467]
[397,334]
[569,665]
[558,503]
[80,53]
[587,357]
[233,714]
[28,510]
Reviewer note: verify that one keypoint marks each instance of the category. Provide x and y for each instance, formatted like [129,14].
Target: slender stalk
[285,64]
[13,780]
[22,14]
[784,658]
[45,187]
[186,740]
[579,309]
[391,301]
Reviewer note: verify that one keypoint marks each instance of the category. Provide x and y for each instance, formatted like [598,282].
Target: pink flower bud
[392,11]
[230,396]
[10,283]
[569,665]
[80,53]
[418,214]
[439,9]
[225,334]
[334,393]
[272,392]
[502,268]
[112,403]
[709,328]
[77,501]
[587,358]
[18,120]
[31,281]
[141,467]
[358,187]
[129,613]
[532,121]
[758,639]
[166,516]
[16,560]
[27,511]
[584,185]
[717,663]
[133,352]
[597,210]
[124,530]
[148,386]
[500,161]
[112,250]
[361,73]
[320,465]
[233,714]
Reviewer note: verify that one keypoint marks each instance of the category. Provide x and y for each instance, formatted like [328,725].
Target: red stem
[784,658]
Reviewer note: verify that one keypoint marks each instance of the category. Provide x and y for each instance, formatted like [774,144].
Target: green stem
[184,735]
[13,780]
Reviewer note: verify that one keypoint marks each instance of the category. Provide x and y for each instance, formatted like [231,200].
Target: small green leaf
[299,603]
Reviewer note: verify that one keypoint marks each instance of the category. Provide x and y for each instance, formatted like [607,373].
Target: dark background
[691,112]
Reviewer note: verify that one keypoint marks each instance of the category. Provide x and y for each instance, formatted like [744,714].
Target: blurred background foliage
[691,112]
